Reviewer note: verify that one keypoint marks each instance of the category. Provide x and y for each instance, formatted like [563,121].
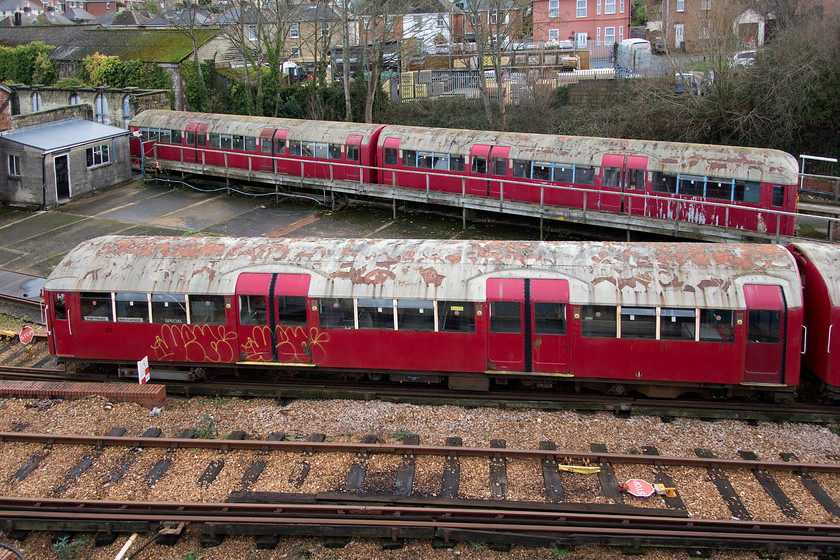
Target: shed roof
[57,135]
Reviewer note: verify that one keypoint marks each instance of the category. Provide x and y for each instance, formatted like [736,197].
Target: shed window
[169,308]
[720,189]
[765,326]
[279,146]
[207,310]
[778,195]
[692,185]
[564,173]
[132,307]
[14,165]
[352,152]
[716,325]
[638,322]
[499,166]
[456,316]
[676,324]
[415,315]
[479,165]
[98,155]
[522,169]
[250,144]
[598,321]
[59,307]
[747,191]
[612,177]
[505,317]
[291,311]
[409,158]
[95,307]
[336,313]
[252,310]
[376,313]
[549,318]
[265,145]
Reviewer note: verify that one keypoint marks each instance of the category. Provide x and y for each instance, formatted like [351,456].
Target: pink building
[602,22]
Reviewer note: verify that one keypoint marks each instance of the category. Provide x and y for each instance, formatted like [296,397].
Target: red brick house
[602,21]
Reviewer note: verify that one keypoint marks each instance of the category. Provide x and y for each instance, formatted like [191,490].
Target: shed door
[766,322]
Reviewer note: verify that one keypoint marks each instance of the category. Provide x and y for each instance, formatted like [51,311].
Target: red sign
[26,335]
[639,488]
[143,370]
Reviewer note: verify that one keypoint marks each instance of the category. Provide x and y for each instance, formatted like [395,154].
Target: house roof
[78,14]
[146,45]
[251,15]
[63,134]
[314,12]
[126,17]
[52,18]
[19,5]
[51,35]
[180,18]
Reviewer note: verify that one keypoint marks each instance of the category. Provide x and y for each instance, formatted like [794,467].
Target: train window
[456,316]
[691,185]
[226,141]
[207,310]
[522,168]
[335,151]
[747,191]
[165,136]
[95,307]
[440,161]
[778,195]
[190,137]
[409,158]
[636,179]
[390,156]
[201,140]
[598,321]
[176,136]
[265,145]
[291,311]
[144,134]
[765,326]
[322,150]
[456,163]
[676,324]
[505,317]
[132,307]
[294,147]
[719,188]
[376,313]
[541,171]
[153,134]
[564,173]
[336,313]
[664,183]
[584,174]
[479,165]
[612,177]
[352,152]
[215,140]
[415,315]
[499,167]
[238,142]
[307,149]
[252,310]
[549,318]
[59,307]
[638,322]
[425,160]
[250,144]
[279,146]
[169,308]
[716,326]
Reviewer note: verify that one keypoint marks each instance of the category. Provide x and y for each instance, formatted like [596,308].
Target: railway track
[569,513]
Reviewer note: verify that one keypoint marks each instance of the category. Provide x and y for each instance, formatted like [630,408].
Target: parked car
[744,58]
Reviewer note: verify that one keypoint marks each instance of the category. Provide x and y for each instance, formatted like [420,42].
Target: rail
[679,205]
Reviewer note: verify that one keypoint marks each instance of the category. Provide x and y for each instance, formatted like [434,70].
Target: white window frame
[294,30]
[252,33]
[325,28]
[705,5]
[680,5]
[294,52]
[581,9]
[598,7]
[620,33]
[100,154]
[35,99]
[553,34]
[609,32]
[597,35]
[609,6]
[13,163]
[553,8]
[441,22]
[621,6]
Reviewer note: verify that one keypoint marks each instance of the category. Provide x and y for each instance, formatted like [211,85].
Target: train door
[266,163]
[288,319]
[498,172]
[622,175]
[255,337]
[281,165]
[506,335]
[478,179]
[62,330]
[549,300]
[766,325]
[635,185]
[390,160]
[352,155]
[190,138]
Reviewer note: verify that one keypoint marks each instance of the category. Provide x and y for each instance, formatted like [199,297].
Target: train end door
[764,357]
[60,327]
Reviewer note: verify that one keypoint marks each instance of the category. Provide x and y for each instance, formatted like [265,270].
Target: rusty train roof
[646,274]
[826,259]
[752,164]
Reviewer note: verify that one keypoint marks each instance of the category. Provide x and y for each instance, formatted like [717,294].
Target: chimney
[26,8]
[16,21]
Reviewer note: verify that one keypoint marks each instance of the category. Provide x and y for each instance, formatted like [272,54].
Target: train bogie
[658,318]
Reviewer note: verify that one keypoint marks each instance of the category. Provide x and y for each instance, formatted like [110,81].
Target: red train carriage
[716,185]
[340,151]
[664,318]
[819,265]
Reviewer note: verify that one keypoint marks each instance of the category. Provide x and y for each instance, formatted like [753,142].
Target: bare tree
[244,25]
[189,18]
[318,25]
[380,23]
[275,37]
